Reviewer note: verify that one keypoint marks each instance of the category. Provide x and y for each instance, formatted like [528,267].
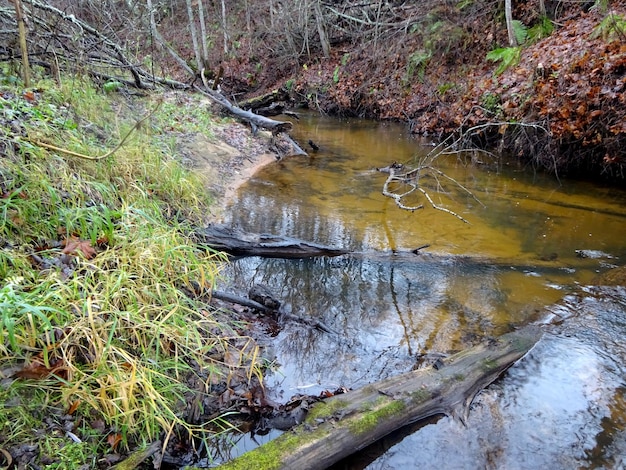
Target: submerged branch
[459,142]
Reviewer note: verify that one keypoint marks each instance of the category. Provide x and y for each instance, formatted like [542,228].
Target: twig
[101,157]
[453,144]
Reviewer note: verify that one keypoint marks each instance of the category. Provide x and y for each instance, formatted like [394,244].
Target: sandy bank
[226,162]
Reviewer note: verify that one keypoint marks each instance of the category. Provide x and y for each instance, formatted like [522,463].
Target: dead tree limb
[289,148]
[276,127]
[347,423]
[425,178]
[237,243]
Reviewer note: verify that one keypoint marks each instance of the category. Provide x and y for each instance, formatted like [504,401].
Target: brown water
[564,405]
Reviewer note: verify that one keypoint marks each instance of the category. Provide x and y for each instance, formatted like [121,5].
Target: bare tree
[321,29]
[194,35]
[203,36]
[508,14]
[21,24]
[224,27]
[157,36]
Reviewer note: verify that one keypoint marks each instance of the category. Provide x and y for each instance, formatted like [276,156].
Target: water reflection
[562,406]
[389,311]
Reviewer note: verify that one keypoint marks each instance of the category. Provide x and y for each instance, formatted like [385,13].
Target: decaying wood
[266,100]
[137,458]
[346,423]
[276,127]
[237,243]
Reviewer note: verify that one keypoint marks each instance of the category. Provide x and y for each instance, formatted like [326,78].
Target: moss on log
[347,423]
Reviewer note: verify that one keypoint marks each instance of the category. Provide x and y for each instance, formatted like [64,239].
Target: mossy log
[265,100]
[346,423]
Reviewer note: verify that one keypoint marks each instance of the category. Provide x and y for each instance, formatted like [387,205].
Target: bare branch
[459,142]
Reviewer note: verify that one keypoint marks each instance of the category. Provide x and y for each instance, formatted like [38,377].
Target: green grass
[107,327]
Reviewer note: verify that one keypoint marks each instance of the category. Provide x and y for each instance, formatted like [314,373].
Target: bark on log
[276,127]
[347,423]
[238,243]
[266,100]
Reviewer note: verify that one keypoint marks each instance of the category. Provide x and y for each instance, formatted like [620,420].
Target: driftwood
[276,127]
[346,423]
[288,147]
[237,243]
[281,316]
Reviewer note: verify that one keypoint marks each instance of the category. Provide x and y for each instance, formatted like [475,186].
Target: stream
[530,254]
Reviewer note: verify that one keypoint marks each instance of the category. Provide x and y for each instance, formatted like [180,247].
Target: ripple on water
[562,406]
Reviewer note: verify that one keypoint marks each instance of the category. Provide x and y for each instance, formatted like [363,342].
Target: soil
[227,161]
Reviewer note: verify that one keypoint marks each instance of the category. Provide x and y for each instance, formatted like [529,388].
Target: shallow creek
[518,261]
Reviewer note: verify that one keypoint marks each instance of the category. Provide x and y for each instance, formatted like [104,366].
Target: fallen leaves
[37,369]
[75,246]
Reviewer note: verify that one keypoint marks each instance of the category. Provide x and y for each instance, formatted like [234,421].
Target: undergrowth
[100,341]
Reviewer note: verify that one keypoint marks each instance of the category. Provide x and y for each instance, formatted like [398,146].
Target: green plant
[491,102]
[111,86]
[72,455]
[520,31]
[601,5]
[336,75]
[611,28]
[109,328]
[289,84]
[417,63]
[445,88]
[22,319]
[542,29]
[507,56]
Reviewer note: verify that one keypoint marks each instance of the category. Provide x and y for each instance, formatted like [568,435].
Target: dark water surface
[562,406]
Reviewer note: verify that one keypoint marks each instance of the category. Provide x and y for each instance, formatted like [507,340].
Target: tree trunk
[508,14]
[224,28]
[203,36]
[19,14]
[321,30]
[161,41]
[345,424]
[194,35]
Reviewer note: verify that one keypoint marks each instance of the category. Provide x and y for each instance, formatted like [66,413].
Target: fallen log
[238,243]
[266,100]
[346,423]
[276,127]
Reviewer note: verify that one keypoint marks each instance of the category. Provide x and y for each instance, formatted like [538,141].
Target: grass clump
[97,263]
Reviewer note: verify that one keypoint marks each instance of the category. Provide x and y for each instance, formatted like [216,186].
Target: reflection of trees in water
[387,312]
